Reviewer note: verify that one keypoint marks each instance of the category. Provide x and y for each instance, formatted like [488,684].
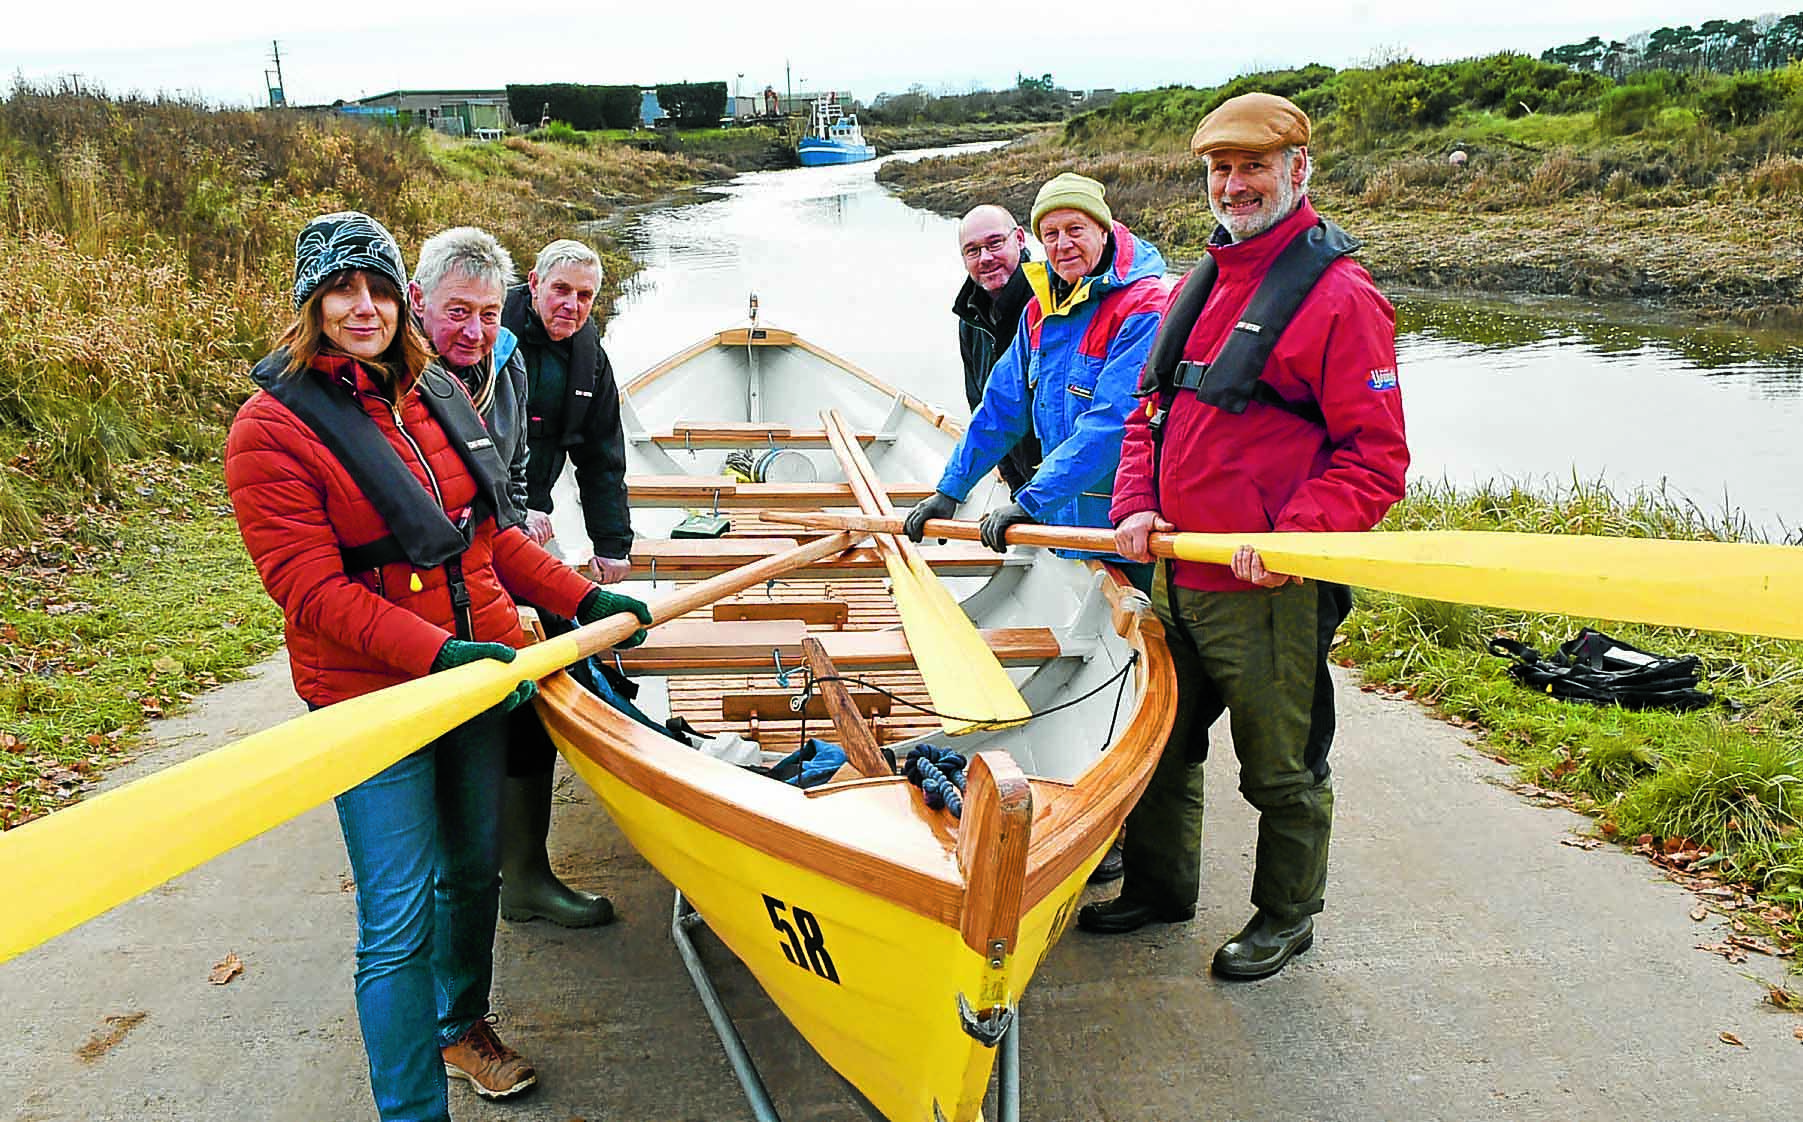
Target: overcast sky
[218,49]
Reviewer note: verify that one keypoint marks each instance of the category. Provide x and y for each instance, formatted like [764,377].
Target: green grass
[1728,780]
[113,616]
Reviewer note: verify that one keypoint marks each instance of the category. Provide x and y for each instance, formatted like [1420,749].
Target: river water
[1541,393]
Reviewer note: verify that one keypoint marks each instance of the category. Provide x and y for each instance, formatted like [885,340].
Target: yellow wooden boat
[896,938]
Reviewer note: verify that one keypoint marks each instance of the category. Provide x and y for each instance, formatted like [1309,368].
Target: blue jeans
[424,844]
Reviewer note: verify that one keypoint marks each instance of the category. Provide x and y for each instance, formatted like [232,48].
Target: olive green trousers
[1260,655]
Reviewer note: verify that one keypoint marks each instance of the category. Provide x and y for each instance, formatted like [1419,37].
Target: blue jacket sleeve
[1089,455]
[1002,418]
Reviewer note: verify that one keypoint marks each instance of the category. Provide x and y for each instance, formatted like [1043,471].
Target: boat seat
[727,493]
[703,434]
[773,705]
[702,646]
[684,559]
[834,613]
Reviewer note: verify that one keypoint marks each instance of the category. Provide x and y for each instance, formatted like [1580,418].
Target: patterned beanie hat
[349,239]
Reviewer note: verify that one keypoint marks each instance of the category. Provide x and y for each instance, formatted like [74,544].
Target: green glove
[462,652]
[600,603]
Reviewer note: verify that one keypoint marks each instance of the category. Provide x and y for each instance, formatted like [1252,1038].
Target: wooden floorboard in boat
[870,609]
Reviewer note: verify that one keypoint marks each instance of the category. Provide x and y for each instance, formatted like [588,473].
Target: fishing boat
[833,136]
[897,938]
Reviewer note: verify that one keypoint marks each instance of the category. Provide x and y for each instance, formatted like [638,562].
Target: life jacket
[419,530]
[1599,669]
[1231,381]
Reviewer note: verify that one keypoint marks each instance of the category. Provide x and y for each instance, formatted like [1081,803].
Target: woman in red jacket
[377,514]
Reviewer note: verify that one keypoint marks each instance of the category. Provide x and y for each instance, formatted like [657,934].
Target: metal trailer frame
[757,1096]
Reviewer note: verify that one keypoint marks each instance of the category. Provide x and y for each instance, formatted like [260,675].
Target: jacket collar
[979,306]
[351,374]
[1134,260]
[1257,253]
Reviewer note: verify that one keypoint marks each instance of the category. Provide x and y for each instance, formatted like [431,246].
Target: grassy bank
[1715,795]
[1665,189]
[148,252]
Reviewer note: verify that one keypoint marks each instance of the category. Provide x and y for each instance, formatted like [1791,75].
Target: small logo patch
[478,445]
[1384,379]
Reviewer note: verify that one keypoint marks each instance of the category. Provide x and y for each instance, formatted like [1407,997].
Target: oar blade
[85,859]
[1737,587]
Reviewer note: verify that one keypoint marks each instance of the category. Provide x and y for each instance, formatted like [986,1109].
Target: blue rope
[939,773]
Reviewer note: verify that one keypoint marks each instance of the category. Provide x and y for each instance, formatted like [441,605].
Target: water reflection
[1494,389]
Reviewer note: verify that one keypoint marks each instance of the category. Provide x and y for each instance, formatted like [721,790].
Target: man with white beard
[1270,403]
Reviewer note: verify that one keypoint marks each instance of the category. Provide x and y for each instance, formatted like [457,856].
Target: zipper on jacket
[395,408]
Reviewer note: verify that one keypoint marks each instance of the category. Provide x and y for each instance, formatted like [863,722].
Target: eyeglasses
[993,244]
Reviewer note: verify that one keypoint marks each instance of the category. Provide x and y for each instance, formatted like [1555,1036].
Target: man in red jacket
[1284,414]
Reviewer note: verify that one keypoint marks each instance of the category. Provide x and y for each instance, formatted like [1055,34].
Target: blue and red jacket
[1069,378]
[1266,468]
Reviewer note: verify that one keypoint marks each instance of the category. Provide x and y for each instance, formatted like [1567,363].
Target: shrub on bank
[150,242]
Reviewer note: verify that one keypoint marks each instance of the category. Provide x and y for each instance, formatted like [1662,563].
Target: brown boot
[493,1069]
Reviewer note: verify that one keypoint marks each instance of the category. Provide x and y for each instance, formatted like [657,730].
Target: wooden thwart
[697,434]
[692,559]
[773,705]
[694,646]
[832,613]
[727,493]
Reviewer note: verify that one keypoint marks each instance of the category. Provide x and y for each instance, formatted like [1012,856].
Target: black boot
[1122,914]
[529,889]
[1263,946]
[1111,867]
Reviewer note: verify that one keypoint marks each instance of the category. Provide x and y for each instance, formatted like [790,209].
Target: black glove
[462,652]
[936,505]
[600,603]
[994,527]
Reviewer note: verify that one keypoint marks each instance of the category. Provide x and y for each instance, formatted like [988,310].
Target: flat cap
[1254,122]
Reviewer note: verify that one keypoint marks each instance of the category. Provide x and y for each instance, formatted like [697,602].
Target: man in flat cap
[1270,404]
[1070,373]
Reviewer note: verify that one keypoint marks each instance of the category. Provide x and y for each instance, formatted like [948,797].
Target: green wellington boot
[1263,947]
[529,889]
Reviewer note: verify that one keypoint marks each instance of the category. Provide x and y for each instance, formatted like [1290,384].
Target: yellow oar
[962,675]
[1739,587]
[66,868]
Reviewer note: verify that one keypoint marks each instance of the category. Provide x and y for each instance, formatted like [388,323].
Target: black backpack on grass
[1600,670]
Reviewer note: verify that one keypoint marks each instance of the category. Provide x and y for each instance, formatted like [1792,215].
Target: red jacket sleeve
[1361,401]
[529,573]
[279,499]
[1135,489]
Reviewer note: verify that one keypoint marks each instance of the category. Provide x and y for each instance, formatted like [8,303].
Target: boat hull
[821,153]
[870,982]
[867,917]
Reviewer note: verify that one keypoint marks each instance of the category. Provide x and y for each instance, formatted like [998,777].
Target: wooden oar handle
[606,633]
[1051,537]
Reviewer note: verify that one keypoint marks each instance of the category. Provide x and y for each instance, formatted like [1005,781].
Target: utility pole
[278,90]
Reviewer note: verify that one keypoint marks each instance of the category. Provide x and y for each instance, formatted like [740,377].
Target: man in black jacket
[988,309]
[573,412]
[574,405]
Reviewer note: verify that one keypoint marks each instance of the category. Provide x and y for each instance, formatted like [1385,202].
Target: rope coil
[939,773]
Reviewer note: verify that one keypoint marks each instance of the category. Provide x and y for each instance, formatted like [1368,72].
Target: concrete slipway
[1469,967]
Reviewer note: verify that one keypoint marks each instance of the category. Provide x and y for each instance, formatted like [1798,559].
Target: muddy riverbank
[1712,255]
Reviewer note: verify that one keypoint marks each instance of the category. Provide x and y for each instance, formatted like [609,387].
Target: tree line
[584,106]
[1718,45]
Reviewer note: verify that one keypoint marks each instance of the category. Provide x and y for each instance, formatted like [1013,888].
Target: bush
[1629,109]
[559,132]
[1740,99]
[582,106]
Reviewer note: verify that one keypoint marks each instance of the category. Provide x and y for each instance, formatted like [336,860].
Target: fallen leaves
[1730,1038]
[119,1025]
[1579,842]
[1787,999]
[226,969]
[1727,950]
[1699,913]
